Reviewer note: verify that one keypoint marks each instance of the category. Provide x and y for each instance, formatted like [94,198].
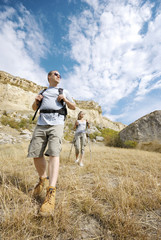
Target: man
[49,131]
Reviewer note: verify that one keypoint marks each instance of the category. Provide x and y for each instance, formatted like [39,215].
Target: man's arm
[37,101]
[71,105]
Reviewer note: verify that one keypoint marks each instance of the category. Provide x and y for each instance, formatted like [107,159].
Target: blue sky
[108,51]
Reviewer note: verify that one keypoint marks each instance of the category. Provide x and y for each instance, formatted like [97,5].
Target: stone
[145,129]
[25,131]
[99,138]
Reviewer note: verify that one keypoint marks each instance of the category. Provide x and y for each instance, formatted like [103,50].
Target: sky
[108,51]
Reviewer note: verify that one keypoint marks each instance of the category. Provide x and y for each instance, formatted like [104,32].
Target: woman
[80,137]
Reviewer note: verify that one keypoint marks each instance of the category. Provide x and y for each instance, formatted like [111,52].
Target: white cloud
[93,3]
[115,59]
[22,45]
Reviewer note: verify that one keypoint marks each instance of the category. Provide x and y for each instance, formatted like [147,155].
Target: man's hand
[37,101]
[70,105]
[61,97]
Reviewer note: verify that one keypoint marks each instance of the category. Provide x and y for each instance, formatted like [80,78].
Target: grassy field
[116,195]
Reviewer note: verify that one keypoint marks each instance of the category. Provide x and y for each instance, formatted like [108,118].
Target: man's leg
[53,170]
[54,147]
[40,165]
[48,206]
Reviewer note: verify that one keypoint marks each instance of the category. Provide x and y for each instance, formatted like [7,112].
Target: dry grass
[116,195]
[154,146]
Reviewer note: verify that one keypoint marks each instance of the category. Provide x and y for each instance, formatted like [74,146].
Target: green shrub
[68,133]
[108,132]
[113,140]
[70,126]
[130,144]
[111,137]
[68,136]
[94,135]
[5,120]
[5,113]
[18,125]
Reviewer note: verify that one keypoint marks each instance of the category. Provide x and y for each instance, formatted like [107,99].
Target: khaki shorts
[43,136]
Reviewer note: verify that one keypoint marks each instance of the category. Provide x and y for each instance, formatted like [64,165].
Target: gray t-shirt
[50,102]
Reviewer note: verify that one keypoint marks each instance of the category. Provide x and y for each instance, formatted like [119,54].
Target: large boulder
[145,129]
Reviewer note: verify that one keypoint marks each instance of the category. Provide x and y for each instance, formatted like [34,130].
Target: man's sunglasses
[57,74]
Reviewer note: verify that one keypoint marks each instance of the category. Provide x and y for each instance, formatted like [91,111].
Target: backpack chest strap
[62,111]
[49,111]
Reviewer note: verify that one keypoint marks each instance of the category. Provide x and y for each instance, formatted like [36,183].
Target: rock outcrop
[145,129]
[18,94]
[6,78]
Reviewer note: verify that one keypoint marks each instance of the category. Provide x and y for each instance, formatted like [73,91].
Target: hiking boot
[48,205]
[42,185]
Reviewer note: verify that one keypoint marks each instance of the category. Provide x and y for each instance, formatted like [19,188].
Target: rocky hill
[17,95]
[145,129]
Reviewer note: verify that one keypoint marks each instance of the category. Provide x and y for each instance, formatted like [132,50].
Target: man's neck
[53,85]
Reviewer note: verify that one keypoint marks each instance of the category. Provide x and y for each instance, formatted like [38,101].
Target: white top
[49,101]
[81,128]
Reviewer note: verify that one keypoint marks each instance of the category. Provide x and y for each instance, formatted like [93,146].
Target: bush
[68,132]
[68,136]
[5,120]
[94,135]
[130,144]
[18,125]
[113,141]
[111,137]
[153,146]
[5,113]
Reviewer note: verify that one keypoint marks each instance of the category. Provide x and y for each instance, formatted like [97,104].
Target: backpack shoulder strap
[39,104]
[64,109]
[60,90]
[43,91]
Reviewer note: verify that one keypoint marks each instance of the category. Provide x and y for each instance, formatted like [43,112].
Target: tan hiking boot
[48,205]
[42,185]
